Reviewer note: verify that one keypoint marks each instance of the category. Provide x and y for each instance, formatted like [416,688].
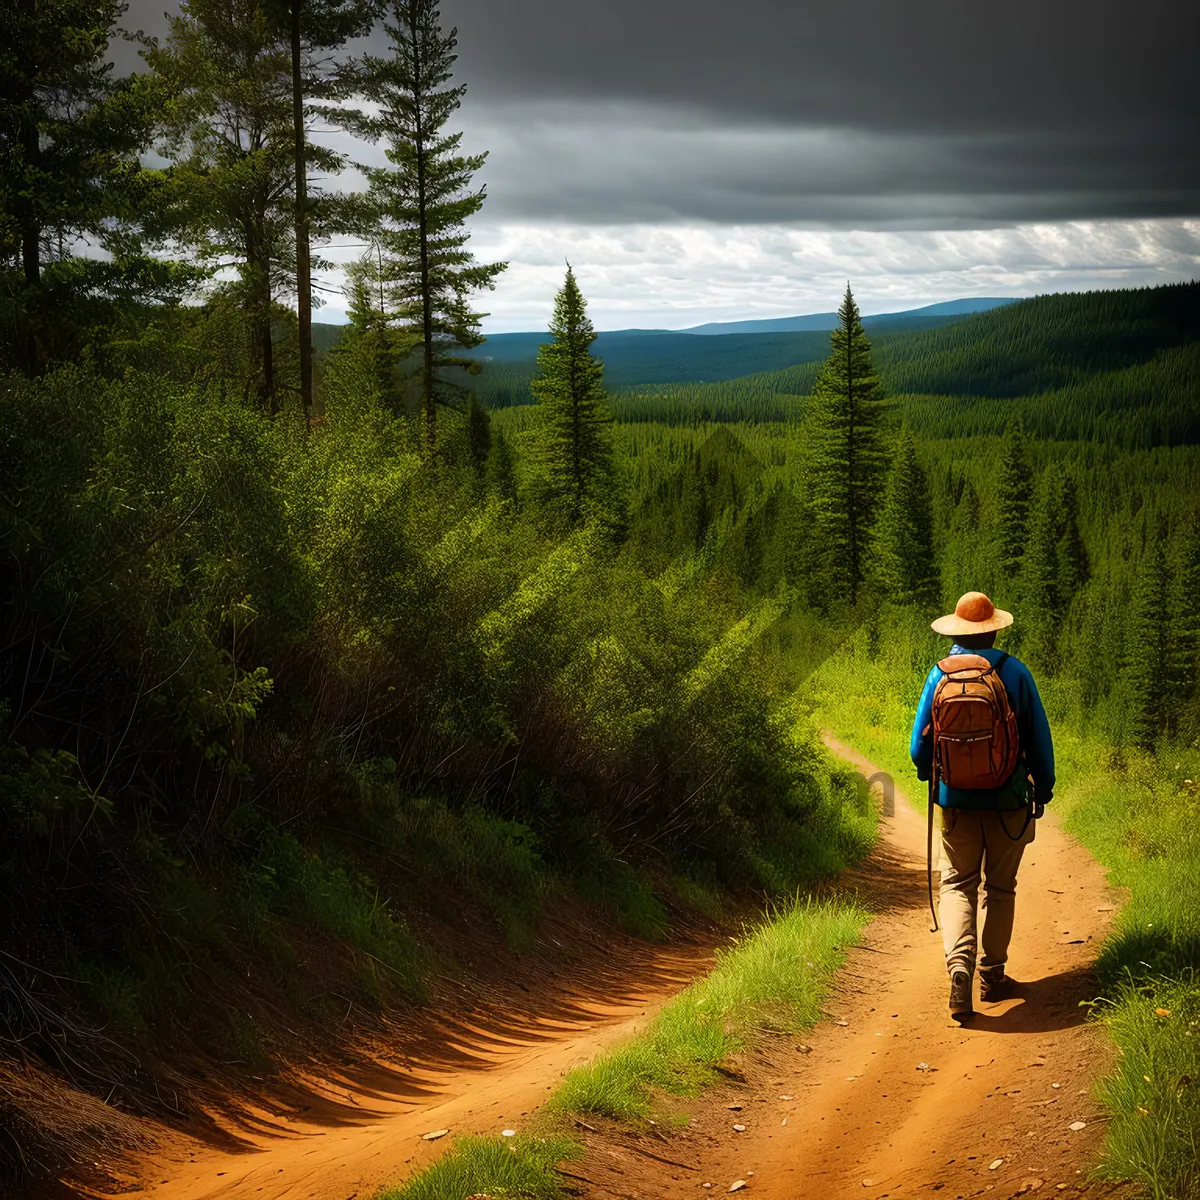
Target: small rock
[1077,1125]
[737,1185]
[1060,1186]
[1162,1012]
[734,1107]
[508,1133]
[996,1163]
[706,1186]
[739,1129]
[784,1121]
[785,1097]
[803,1049]
[1029,1185]
[841,1022]
[868,1183]
[1056,1085]
[433,1137]
[924,1066]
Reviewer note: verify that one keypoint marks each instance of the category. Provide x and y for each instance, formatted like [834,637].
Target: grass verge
[493,1166]
[772,980]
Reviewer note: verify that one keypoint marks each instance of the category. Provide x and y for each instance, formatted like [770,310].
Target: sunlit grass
[773,979]
[494,1166]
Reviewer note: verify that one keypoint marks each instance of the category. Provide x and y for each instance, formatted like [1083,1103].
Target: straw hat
[974,613]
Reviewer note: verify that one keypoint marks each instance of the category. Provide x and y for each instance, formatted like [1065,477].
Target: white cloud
[673,276]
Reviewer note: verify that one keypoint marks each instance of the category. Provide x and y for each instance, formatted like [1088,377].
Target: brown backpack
[974,727]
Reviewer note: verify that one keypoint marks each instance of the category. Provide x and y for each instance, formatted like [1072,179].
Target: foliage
[69,171]
[905,571]
[577,475]
[421,201]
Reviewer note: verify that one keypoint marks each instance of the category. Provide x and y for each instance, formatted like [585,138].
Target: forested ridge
[330,668]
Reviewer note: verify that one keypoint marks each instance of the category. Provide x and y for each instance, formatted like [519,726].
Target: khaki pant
[979,845]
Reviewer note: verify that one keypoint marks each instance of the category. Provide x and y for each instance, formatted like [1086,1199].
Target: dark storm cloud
[880,113]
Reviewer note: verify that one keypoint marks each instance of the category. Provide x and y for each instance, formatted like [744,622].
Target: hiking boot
[960,996]
[995,985]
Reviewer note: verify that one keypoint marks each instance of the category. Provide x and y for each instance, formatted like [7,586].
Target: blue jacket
[1033,730]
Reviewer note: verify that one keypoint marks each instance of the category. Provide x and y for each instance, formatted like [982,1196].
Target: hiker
[982,741]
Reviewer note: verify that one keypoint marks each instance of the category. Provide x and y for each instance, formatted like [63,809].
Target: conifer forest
[347,671]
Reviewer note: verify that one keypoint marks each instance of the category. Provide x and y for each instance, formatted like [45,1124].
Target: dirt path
[363,1130]
[855,1115]
[851,1114]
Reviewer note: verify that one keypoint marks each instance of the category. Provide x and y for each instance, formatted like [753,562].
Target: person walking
[982,741]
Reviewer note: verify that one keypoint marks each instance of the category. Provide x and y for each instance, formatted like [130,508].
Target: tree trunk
[31,234]
[303,257]
[428,400]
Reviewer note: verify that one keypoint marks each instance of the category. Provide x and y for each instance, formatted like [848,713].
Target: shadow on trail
[888,882]
[1044,1005]
[415,1057]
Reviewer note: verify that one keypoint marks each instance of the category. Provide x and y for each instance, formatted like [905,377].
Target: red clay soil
[889,1098]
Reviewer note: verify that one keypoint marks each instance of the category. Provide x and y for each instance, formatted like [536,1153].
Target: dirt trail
[855,1115]
[364,1130]
[851,1115]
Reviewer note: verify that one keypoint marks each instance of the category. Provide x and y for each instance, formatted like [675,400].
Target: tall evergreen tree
[847,461]
[905,566]
[1183,630]
[502,471]
[227,128]
[1014,495]
[424,198]
[1147,650]
[316,30]
[69,141]
[479,435]
[1054,566]
[577,458]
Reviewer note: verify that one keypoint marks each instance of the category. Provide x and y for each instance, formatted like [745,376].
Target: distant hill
[827,321]
[1118,366]
[665,355]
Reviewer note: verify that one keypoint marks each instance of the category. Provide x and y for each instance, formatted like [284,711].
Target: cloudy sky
[698,160]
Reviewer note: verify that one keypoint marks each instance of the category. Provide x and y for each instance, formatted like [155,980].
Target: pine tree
[1054,566]
[847,459]
[1074,566]
[905,567]
[424,198]
[502,471]
[1040,583]
[1183,628]
[479,435]
[1147,649]
[578,476]
[69,141]
[315,30]
[1014,496]
[226,67]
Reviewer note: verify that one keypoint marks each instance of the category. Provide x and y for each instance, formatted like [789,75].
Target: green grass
[1154,1094]
[495,1166]
[772,980]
